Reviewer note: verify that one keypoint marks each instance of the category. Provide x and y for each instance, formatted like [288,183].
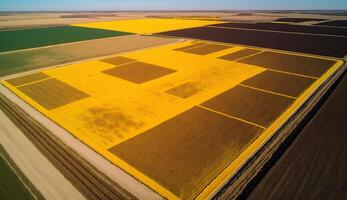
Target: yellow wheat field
[149,26]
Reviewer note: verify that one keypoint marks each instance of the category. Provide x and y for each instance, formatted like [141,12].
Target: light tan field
[25,20]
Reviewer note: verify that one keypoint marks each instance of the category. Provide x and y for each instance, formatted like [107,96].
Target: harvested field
[239,54]
[287,28]
[205,49]
[312,44]
[130,72]
[52,93]
[314,166]
[177,149]
[19,61]
[336,23]
[27,79]
[205,99]
[30,38]
[148,26]
[250,104]
[302,65]
[282,83]
[298,20]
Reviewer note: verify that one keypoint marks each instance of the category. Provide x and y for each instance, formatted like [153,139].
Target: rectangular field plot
[250,104]
[148,26]
[282,83]
[181,123]
[298,20]
[334,46]
[138,72]
[30,38]
[287,28]
[193,164]
[52,93]
[301,65]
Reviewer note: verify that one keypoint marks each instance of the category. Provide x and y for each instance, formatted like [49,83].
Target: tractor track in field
[87,179]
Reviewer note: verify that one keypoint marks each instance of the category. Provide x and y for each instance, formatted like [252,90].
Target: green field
[14,62]
[10,186]
[30,38]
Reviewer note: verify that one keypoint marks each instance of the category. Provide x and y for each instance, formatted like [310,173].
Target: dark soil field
[312,44]
[298,20]
[315,165]
[252,105]
[130,72]
[308,66]
[206,49]
[30,38]
[282,83]
[337,23]
[184,158]
[287,28]
[239,54]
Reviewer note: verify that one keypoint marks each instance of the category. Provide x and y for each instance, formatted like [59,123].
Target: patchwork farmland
[166,108]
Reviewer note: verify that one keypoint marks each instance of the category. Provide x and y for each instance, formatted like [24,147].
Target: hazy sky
[29,5]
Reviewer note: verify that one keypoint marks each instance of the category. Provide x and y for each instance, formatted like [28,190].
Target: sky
[51,5]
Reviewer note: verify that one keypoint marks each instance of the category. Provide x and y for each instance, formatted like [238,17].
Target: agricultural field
[11,186]
[309,40]
[233,97]
[175,105]
[19,61]
[148,26]
[30,38]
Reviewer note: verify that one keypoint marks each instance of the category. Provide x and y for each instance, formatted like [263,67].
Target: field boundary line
[274,31]
[261,51]
[232,117]
[18,86]
[291,73]
[267,91]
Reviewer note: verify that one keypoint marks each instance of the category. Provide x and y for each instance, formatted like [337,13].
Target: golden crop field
[180,118]
[149,26]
